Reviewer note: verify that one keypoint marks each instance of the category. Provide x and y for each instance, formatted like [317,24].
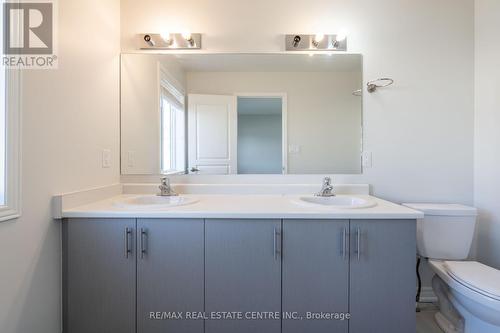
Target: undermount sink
[339,201]
[154,201]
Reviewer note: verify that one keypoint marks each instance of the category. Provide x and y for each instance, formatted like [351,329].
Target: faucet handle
[164,181]
[327,181]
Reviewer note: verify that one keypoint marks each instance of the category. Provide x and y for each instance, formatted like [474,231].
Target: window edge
[12,207]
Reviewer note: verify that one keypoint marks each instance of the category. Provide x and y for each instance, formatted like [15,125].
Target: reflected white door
[212,131]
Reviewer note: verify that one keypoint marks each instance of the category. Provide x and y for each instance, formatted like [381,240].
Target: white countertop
[240,206]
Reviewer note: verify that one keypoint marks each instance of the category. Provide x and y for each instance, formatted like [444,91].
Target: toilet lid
[476,276]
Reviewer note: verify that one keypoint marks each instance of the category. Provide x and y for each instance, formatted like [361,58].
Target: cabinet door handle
[144,235]
[128,234]
[277,250]
[344,243]
[358,242]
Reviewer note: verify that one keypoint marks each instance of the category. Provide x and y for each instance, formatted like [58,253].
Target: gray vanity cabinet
[170,274]
[116,272]
[242,273]
[99,262]
[382,276]
[315,274]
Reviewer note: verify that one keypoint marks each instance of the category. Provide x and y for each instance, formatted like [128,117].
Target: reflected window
[173,129]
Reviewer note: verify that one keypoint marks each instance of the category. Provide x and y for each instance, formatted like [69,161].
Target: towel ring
[378,83]
[358,92]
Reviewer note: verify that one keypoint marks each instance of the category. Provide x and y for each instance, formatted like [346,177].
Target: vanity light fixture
[188,37]
[316,42]
[170,41]
[149,40]
[165,36]
[296,41]
[317,39]
[338,40]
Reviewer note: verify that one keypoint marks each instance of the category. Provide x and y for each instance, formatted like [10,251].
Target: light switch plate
[293,149]
[367,160]
[106,158]
[130,158]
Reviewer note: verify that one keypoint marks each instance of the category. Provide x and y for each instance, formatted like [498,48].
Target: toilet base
[445,324]
[448,318]
[472,323]
[453,315]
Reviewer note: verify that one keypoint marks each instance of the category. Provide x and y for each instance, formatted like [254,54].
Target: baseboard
[427,295]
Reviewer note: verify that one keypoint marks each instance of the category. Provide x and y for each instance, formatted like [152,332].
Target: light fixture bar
[316,42]
[170,41]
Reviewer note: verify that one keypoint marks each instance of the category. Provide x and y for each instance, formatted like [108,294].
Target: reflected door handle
[194,169]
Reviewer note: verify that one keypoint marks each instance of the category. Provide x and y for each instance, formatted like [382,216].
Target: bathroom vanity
[247,258]
[239,263]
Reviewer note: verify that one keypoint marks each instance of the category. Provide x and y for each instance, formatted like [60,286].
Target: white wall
[420,130]
[487,152]
[69,116]
[320,108]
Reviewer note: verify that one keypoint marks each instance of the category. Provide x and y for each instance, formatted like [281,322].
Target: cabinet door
[315,275]
[242,274]
[382,288]
[169,275]
[99,275]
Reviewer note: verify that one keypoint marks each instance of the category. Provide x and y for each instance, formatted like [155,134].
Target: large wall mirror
[241,114]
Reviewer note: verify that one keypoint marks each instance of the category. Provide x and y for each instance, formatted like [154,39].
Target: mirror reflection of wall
[244,114]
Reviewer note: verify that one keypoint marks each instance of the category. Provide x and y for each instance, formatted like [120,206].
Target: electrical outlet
[106,158]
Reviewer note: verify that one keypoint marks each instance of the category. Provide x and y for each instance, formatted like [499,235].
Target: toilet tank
[446,231]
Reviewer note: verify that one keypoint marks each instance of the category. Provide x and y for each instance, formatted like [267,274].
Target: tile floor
[425,319]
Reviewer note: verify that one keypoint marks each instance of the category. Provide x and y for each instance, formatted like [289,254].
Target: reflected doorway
[261,134]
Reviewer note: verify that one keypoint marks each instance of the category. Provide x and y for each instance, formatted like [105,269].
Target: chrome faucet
[326,189]
[166,188]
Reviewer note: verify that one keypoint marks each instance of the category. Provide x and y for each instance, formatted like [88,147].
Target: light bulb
[342,35]
[165,36]
[319,37]
[187,36]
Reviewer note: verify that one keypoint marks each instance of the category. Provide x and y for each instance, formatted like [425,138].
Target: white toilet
[468,291]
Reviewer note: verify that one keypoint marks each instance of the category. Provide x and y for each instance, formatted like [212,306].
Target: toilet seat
[475,276]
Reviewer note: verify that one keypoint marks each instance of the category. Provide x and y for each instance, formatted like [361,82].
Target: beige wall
[140,110]
[69,116]
[487,153]
[320,109]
